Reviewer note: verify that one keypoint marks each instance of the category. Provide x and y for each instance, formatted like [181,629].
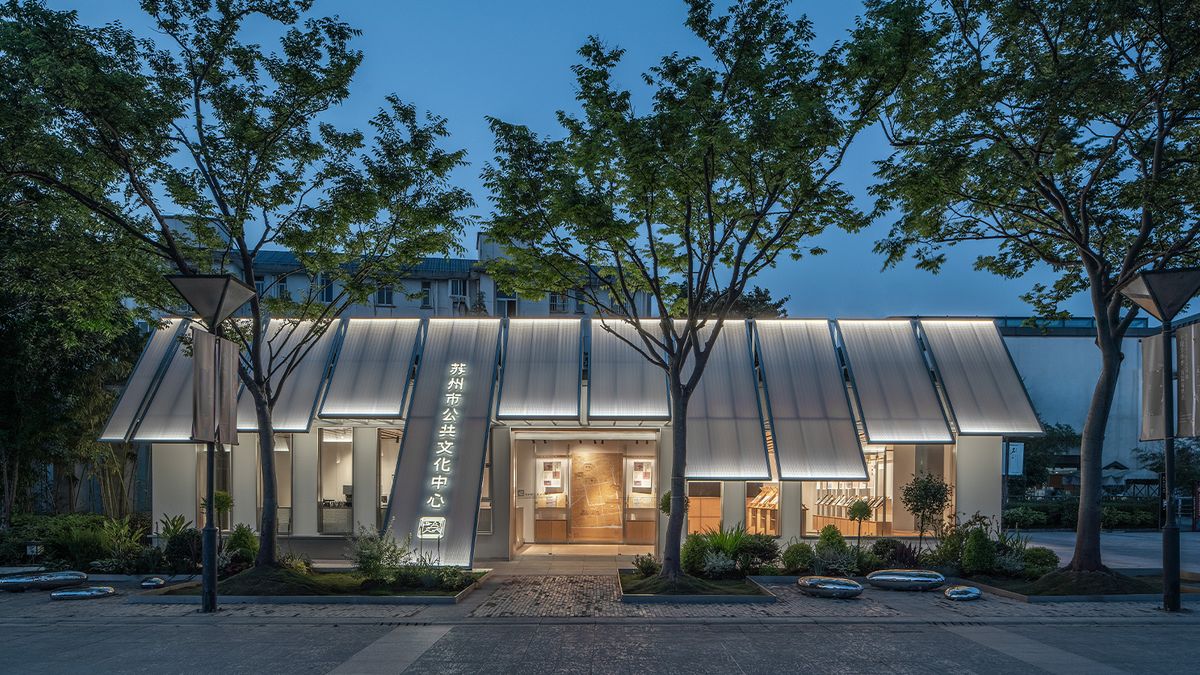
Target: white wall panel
[371,373]
[541,377]
[623,384]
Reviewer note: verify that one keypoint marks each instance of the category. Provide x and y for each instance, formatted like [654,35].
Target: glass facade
[389,454]
[222,471]
[704,506]
[283,482]
[335,484]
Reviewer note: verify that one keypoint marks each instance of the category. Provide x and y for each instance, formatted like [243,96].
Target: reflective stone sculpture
[906,580]
[963,593]
[86,593]
[41,581]
[153,582]
[829,587]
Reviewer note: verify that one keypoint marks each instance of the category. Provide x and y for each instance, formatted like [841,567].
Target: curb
[159,597]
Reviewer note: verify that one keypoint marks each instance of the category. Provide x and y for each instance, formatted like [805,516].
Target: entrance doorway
[587,488]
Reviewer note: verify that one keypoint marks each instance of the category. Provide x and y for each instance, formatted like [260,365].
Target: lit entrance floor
[568,559]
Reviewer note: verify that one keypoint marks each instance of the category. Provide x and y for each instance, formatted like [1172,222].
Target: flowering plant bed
[638,588]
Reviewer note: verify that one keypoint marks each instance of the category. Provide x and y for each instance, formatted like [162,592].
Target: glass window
[283,482]
[383,295]
[559,303]
[335,481]
[221,484]
[389,455]
[458,288]
[704,506]
[426,294]
[260,285]
[281,289]
[762,508]
[506,303]
[326,290]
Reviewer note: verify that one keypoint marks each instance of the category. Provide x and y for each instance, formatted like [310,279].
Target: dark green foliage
[647,565]
[798,558]
[76,547]
[242,543]
[884,547]
[169,526]
[926,497]
[183,550]
[1024,518]
[868,562]
[727,541]
[692,553]
[979,553]
[831,538]
[664,503]
[1039,561]
[41,528]
[757,551]
[1041,453]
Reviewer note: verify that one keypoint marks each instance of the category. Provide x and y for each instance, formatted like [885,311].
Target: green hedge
[1064,513]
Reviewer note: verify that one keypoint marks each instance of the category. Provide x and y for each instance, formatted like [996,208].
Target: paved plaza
[575,623]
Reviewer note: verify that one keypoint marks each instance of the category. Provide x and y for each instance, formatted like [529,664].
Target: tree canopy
[1063,134]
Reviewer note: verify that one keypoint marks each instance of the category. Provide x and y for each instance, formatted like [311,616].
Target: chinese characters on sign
[444,449]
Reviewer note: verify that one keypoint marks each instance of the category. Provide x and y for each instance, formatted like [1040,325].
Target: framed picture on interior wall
[643,476]
[552,476]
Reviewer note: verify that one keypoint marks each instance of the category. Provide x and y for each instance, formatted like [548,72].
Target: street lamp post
[214,406]
[1164,293]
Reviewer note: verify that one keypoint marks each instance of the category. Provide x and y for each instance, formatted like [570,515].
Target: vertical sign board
[214,388]
[435,496]
[1014,459]
[1153,428]
[1185,399]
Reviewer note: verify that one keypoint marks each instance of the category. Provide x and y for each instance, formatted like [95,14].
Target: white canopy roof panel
[168,417]
[814,431]
[985,393]
[892,384]
[622,384]
[435,496]
[542,370]
[725,435]
[297,401]
[142,381]
[370,376]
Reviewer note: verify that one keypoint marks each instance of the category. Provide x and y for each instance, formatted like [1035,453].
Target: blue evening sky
[469,59]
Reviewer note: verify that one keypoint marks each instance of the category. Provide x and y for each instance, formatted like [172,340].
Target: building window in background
[426,295]
[383,296]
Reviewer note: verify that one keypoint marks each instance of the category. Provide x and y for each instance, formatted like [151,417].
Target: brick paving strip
[576,598]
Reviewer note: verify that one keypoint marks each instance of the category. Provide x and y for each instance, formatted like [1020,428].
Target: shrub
[885,548]
[28,528]
[691,554]
[169,526]
[1039,561]
[419,572]
[1024,517]
[296,562]
[664,503]
[455,579]
[867,562]
[718,565]
[757,551]
[377,556]
[183,550]
[1010,564]
[77,547]
[798,558]
[122,539]
[647,565]
[242,543]
[828,559]
[729,541]
[832,538]
[926,497]
[979,553]
[1112,517]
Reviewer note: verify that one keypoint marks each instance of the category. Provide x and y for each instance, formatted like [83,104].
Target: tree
[1063,135]
[1187,468]
[1040,455]
[669,213]
[201,122]
[859,511]
[926,497]
[756,303]
[68,339]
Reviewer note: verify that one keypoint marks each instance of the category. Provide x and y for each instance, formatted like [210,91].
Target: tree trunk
[1091,456]
[671,569]
[268,527]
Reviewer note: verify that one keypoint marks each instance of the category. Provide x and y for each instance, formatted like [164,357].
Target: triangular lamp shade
[213,296]
[1163,293]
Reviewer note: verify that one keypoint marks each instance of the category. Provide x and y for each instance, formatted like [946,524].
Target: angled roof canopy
[297,402]
[814,431]
[542,369]
[725,434]
[985,393]
[142,382]
[892,384]
[623,384]
[371,373]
